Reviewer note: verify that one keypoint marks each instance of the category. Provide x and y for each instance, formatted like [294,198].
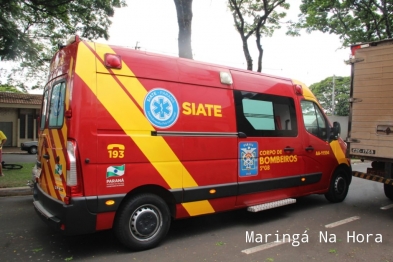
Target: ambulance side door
[269,149]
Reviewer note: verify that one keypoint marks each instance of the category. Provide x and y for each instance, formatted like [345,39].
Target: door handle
[46,157]
[289,149]
[309,148]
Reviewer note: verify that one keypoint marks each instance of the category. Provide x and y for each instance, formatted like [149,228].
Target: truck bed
[370,133]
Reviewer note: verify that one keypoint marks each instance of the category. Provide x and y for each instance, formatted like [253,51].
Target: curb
[15,191]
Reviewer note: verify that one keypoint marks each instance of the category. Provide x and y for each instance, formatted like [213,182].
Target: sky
[152,26]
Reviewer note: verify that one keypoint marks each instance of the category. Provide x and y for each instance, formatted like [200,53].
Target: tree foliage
[259,18]
[353,21]
[31,29]
[324,92]
[184,20]
[8,88]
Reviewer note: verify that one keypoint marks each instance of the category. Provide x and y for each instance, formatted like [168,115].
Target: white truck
[370,127]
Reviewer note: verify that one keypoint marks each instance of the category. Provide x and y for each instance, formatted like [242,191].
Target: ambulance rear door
[52,141]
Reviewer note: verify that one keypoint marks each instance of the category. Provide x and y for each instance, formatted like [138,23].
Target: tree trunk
[247,53]
[260,50]
[184,19]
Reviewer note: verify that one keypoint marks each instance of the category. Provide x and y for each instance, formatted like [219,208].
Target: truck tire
[339,186]
[388,189]
[142,222]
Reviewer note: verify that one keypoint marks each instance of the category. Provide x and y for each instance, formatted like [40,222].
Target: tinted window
[265,115]
[30,125]
[22,126]
[56,114]
[44,109]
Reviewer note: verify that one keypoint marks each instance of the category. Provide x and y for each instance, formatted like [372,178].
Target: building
[18,117]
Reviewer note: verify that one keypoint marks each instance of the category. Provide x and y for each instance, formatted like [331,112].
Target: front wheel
[388,189]
[142,222]
[339,186]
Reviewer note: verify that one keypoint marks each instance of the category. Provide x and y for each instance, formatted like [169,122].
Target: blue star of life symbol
[161,108]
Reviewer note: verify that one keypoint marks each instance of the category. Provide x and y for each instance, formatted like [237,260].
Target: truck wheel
[388,189]
[142,222]
[339,186]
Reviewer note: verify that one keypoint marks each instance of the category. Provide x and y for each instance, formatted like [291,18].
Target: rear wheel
[142,222]
[339,186]
[388,189]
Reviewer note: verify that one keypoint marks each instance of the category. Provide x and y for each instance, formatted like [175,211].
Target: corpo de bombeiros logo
[161,108]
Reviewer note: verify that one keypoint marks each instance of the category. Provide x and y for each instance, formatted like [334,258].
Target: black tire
[339,186]
[142,222]
[388,189]
[33,150]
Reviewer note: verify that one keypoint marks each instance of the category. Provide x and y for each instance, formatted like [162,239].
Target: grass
[16,177]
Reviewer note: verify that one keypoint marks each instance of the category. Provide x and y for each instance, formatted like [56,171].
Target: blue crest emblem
[248,158]
[161,108]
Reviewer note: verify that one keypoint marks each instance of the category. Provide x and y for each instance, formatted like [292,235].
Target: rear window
[44,109]
[56,113]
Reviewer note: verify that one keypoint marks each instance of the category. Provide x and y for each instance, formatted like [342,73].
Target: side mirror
[336,130]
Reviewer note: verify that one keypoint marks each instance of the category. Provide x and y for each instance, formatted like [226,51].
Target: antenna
[136,46]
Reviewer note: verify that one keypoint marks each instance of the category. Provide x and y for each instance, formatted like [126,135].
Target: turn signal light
[110,202]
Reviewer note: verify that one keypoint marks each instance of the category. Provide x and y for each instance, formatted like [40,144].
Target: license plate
[363,151]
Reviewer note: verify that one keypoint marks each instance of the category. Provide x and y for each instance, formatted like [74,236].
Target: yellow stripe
[157,151]
[138,91]
[48,165]
[338,152]
[58,149]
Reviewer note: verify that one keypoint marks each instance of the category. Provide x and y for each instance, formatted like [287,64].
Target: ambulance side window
[56,110]
[44,109]
[313,119]
[260,115]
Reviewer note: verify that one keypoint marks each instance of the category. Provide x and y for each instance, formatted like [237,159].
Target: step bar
[271,205]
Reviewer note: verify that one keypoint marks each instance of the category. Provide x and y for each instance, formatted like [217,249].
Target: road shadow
[104,244]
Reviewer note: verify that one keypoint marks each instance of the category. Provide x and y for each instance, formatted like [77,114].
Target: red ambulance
[130,140]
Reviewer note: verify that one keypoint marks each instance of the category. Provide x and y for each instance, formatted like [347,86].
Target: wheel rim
[340,185]
[145,222]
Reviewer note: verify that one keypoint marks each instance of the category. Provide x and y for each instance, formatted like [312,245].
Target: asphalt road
[19,158]
[222,237]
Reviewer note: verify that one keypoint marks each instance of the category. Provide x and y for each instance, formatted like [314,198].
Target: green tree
[259,18]
[324,92]
[184,20]
[8,88]
[353,21]
[30,30]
